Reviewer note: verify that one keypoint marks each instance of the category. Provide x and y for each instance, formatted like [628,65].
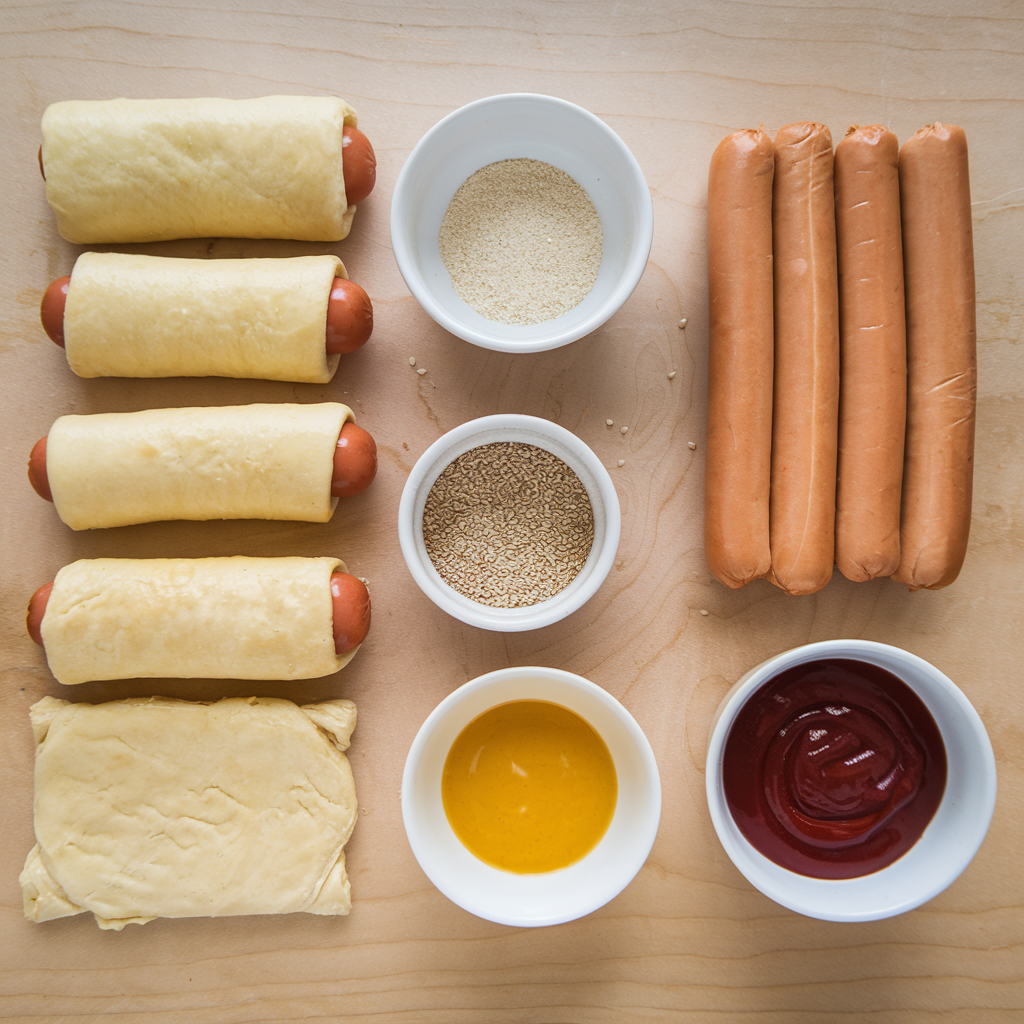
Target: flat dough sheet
[153,807]
[128,315]
[230,462]
[215,618]
[145,170]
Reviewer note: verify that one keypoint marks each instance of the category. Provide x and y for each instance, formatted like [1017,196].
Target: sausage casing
[938,259]
[805,411]
[738,468]
[873,353]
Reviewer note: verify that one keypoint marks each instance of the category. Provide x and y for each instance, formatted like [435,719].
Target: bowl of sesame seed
[509,522]
[521,222]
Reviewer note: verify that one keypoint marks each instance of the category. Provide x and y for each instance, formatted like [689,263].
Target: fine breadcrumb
[508,524]
[521,241]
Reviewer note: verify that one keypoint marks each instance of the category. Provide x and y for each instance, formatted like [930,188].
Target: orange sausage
[942,373]
[349,314]
[355,464]
[806,406]
[737,470]
[358,165]
[350,605]
[349,317]
[873,354]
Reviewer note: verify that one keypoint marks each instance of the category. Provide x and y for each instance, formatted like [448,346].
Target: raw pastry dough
[217,618]
[143,170]
[155,316]
[230,462]
[154,807]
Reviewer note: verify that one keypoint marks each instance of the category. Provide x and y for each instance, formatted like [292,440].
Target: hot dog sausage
[358,164]
[349,314]
[350,602]
[355,464]
[938,261]
[740,352]
[806,405]
[873,353]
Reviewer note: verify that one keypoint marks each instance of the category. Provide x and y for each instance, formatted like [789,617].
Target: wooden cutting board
[690,939]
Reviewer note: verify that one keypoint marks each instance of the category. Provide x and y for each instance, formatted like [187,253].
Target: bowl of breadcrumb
[521,222]
[509,522]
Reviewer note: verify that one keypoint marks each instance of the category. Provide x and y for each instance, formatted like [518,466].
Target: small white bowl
[947,845]
[521,125]
[553,897]
[529,430]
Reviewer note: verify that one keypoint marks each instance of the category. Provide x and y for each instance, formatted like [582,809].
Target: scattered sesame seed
[704,611]
[421,371]
[692,445]
[610,423]
[412,360]
[622,430]
[683,323]
[672,375]
[622,462]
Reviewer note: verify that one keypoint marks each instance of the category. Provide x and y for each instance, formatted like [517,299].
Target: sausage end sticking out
[37,470]
[351,602]
[355,462]
[51,310]
[350,608]
[36,611]
[358,164]
[349,317]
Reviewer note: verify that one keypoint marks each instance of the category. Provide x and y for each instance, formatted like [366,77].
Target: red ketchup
[833,769]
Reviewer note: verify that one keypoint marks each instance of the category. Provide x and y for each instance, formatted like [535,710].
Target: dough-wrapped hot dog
[806,407]
[153,807]
[122,315]
[143,170]
[873,353]
[740,354]
[217,618]
[942,371]
[273,461]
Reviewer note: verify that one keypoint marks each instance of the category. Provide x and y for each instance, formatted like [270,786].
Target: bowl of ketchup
[849,780]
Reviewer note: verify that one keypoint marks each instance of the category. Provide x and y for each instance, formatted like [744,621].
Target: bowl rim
[407,266]
[545,613]
[745,856]
[643,839]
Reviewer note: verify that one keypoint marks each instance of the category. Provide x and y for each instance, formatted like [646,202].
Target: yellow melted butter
[529,786]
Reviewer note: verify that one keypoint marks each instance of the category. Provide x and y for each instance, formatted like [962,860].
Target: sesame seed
[622,462]
[412,360]
[508,524]
[610,423]
[622,430]
[421,371]
[672,375]
[692,445]
[683,323]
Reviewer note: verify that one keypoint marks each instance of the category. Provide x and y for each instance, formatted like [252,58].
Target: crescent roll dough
[144,170]
[230,462]
[155,316]
[217,618]
[154,807]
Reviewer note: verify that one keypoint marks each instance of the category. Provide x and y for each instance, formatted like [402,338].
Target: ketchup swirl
[833,769]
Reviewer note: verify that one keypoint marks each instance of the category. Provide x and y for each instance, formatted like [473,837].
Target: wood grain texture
[689,940]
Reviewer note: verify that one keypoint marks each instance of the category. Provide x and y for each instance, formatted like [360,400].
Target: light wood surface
[689,940]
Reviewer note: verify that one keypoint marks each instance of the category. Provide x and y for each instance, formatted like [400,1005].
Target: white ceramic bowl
[521,125]
[552,897]
[529,430]
[949,842]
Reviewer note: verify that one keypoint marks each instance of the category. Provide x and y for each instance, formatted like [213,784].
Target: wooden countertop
[690,939]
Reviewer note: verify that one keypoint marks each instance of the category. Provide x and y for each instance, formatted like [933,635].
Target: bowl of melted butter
[531,797]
